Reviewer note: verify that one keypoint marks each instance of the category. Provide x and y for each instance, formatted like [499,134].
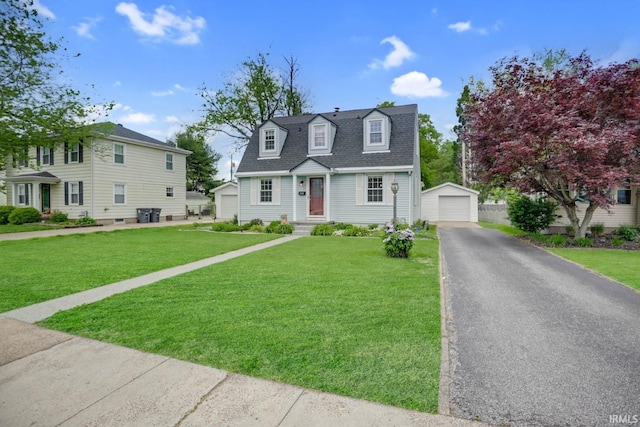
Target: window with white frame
[23,198]
[119,194]
[269,139]
[118,154]
[45,156]
[319,136]
[375,132]
[168,157]
[169,191]
[74,153]
[266,190]
[375,189]
[623,196]
[74,193]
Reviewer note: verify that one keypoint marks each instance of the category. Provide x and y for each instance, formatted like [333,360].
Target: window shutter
[80,150]
[66,193]
[38,156]
[359,189]
[276,190]
[80,193]
[66,154]
[254,191]
[388,194]
[26,194]
[51,156]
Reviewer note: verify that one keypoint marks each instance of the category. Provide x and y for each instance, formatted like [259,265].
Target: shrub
[87,220]
[24,216]
[342,226]
[323,230]
[59,217]
[224,227]
[373,226]
[256,221]
[539,237]
[584,242]
[569,230]
[597,228]
[234,221]
[616,241]
[276,227]
[397,241]
[558,240]
[354,231]
[531,215]
[5,211]
[421,224]
[626,232]
[256,228]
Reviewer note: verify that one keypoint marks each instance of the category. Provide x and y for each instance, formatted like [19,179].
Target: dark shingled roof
[348,143]
[123,132]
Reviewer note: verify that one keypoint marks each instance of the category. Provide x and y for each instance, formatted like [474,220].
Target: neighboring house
[623,212]
[226,200]
[197,203]
[3,194]
[333,167]
[105,177]
[450,202]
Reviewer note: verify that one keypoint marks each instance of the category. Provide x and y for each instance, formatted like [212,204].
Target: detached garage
[450,202]
[226,200]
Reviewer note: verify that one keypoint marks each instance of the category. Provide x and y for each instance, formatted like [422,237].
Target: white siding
[453,208]
[452,195]
[228,206]
[265,212]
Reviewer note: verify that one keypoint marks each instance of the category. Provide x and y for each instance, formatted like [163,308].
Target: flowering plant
[397,240]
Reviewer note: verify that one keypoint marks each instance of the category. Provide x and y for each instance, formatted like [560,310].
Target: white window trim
[366,189]
[166,192]
[23,194]
[45,151]
[124,152]
[124,186]
[382,133]
[263,140]
[71,193]
[76,151]
[166,161]
[325,129]
[256,187]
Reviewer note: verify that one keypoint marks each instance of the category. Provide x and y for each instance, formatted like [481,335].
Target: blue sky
[150,57]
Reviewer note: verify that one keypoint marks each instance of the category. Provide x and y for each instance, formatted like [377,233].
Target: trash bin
[155,215]
[144,215]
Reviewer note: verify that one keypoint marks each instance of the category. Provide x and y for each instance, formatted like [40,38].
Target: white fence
[492,212]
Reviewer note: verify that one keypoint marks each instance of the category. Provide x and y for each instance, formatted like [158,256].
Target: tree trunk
[580,229]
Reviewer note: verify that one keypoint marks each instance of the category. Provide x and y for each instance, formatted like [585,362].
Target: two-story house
[333,167]
[107,177]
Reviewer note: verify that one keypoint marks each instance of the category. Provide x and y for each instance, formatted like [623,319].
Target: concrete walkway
[51,378]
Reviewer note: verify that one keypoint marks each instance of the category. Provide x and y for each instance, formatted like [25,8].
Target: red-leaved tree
[568,129]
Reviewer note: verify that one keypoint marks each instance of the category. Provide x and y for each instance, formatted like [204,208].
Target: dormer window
[269,140]
[319,136]
[375,132]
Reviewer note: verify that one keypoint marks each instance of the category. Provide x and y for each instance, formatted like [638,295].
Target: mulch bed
[600,242]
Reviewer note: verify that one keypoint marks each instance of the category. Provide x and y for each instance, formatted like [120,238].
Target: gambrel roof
[347,150]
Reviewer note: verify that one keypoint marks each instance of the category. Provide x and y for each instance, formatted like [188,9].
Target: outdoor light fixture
[394,189]
[301,183]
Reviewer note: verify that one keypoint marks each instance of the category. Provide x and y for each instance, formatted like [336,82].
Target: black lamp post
[394,190]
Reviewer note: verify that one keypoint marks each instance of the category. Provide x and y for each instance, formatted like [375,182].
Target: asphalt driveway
[534,339]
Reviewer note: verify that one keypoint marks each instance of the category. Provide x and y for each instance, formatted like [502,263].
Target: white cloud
[162,93]
[83,29]
[460,27]
[179,87]
[137,118]
[43,10]
[171,119]
[417,85]
[398,55]
[163,24]
[627,50]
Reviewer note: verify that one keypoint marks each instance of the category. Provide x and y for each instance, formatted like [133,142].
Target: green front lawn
[40,269]
[328,313]
[22,228]
[622,266]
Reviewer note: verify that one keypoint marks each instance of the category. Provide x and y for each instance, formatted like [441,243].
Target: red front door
[316,198]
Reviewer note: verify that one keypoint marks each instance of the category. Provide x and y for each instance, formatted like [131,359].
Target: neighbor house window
[319,136]
[624,195]
[375,132]
[169,191]
[45,156]
[74,153]
[118,154]
[74,193]
[266,190]
[168,161]
[119,194]
[23,194]
[269,140]
[375,189]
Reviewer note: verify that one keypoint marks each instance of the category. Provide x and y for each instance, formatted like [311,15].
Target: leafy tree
[201,163]
[561,126]
[256,93]
[430,141]
[36,107]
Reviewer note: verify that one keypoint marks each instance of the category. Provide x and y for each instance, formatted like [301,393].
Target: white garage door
[228,206]
[454,208]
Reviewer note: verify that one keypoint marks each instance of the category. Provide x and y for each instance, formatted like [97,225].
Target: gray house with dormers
[333,167]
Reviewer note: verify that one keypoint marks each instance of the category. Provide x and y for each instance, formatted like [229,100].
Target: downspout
[294,188]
